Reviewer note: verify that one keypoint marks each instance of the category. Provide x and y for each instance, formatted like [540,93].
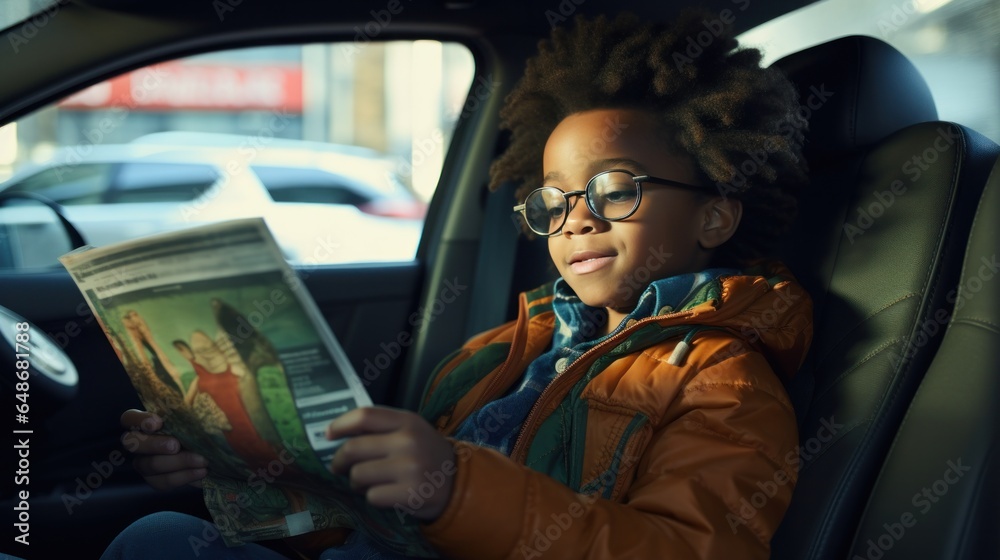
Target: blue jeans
[168,534]
[176,536]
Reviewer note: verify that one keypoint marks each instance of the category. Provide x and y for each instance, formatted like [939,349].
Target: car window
[330,143]
[290,184]
[162,182]
[67,185]
[38,11]
[953,43]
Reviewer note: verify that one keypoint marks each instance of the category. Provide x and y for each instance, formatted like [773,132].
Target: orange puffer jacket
[646,446]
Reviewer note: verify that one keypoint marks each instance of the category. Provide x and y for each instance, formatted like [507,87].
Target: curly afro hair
[738,121]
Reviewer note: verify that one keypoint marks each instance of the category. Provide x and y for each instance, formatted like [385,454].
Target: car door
[378,306]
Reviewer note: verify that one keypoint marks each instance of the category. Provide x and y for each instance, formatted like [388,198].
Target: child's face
[609,264]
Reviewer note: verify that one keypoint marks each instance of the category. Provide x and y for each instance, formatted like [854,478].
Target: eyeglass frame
[638,179]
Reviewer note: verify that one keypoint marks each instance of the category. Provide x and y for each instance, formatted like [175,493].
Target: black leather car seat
[938,495]
[879,245]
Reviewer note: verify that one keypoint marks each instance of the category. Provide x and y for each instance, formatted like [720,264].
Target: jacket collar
[765,306]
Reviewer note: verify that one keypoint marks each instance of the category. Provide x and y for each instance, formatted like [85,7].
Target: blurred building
[399,98]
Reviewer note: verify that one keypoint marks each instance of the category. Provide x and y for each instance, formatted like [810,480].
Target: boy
[608,421]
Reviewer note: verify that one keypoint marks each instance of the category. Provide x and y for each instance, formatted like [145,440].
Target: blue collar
[577,322]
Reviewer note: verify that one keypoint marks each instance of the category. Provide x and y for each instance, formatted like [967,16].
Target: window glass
[69,185]
[330,143]
[14,11]
[952,42]
[162,182]
[290,184]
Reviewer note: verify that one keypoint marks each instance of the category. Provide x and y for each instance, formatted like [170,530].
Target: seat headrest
[855,91]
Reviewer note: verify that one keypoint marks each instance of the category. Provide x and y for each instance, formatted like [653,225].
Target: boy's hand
[390,454]
[159,458]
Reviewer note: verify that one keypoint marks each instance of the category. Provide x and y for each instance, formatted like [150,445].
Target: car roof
[375,176]
[117,154]
[221,140]
[357,162]
[476,16]
[138,32]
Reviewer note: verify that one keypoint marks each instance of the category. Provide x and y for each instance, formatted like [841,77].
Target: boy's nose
[580,219]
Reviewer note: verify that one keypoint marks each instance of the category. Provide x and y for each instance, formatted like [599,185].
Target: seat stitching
[978,322]
[975,219]
[870,316]
[861,362]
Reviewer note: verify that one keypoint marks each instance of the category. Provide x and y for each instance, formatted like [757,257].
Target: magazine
[221,339]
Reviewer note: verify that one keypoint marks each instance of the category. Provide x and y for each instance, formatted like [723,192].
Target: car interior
[895,242]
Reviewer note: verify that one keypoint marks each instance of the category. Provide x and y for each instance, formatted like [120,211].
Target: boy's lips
[583,262]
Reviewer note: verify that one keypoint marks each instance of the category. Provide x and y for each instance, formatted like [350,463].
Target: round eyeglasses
[611,195]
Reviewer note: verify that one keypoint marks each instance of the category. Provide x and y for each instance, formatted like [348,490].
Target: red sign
[179,86]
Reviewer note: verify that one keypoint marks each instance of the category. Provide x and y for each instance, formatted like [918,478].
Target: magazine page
[221,339]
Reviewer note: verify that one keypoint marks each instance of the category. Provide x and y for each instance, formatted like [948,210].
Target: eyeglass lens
[610,195]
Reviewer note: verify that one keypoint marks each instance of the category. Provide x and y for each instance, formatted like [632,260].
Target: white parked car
[116,192]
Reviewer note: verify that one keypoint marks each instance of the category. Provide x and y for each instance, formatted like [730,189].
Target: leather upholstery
[878,244]
[937,495]
[875,92]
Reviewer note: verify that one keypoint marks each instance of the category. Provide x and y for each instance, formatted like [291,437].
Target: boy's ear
[722,217]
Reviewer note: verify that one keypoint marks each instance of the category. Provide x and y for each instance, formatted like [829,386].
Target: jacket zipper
[519,452]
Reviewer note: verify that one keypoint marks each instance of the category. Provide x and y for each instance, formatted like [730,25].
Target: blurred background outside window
[339,146]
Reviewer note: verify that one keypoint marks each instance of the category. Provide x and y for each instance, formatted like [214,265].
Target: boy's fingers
[386,495]
[363,449]
[143,444]
[365,420]
[161,465]
[140,420]
[391,495]
[364,476]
